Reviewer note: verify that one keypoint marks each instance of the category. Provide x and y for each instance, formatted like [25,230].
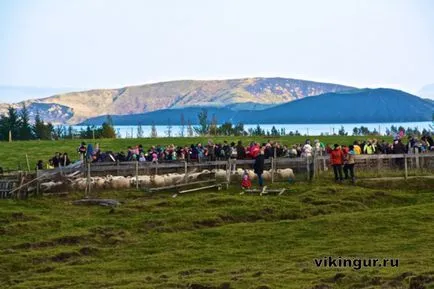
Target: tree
[139,130]
[203,127]
[39,128]
[181,132]
[213,126]
[107,130]
[11,123]
[388,132]
[70,132]
[153,130]
[25,130]
[225,129]
[342,131]
[190,132]
[169,128]
[258,131]
[239,129]
[59,132]
[356,131]
[274,131]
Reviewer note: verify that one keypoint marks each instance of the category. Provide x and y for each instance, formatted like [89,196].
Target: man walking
[336,160]
[259,166]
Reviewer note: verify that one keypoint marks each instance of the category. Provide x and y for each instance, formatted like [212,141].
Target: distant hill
[357,106]
[183,93]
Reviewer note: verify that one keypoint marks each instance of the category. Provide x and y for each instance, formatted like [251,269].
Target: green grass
[221,239]
[13,155]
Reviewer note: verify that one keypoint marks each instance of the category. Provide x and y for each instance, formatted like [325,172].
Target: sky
[86,44]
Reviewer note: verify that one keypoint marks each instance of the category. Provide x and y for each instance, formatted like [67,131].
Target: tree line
[16,125]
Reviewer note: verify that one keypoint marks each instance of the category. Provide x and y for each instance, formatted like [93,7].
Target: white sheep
[220,174]
[79,184]
[157,181]
[144,181]
[98,183]
[266,175]
[285,174]
[120,183]
[252,174]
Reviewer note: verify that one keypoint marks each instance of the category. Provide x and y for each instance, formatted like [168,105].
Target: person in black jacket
[399,148]
[241,151]
[259,167]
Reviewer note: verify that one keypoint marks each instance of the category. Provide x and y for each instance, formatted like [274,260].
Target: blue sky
[85,44]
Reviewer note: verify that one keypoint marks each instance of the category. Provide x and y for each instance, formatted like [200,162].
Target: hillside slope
[175,94]
[357,106]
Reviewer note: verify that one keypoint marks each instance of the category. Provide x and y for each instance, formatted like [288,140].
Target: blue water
[126,131]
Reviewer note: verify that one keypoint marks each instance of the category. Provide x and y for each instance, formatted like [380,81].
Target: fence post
[28,164]
[272,168]
[315,167]
[88,187]
[378,164]
[117,167]
[228,172]
[416,150]
[185,168]
[37,182]
[308,168]
[137,175]
[405,167]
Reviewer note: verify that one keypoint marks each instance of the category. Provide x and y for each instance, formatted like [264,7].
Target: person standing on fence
[336,160]
[259,167]
[349,164]
[82,151]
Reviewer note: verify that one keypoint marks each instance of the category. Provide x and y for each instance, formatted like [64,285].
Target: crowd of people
[341,156]
[222,151]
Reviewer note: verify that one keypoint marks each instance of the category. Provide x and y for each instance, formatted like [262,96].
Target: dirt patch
[224,201]
[150,225]
[420,281]
[109,235]
[45,270]
[64,256]
[21,217]
[207,223]
[163,204]
[225,285]
[189,272]
[321,286]
[88,251]
[257,274]
[62,241]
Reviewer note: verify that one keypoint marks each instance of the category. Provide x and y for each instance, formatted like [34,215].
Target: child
[246,183]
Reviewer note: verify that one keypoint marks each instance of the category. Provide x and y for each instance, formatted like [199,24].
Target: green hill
[222,240]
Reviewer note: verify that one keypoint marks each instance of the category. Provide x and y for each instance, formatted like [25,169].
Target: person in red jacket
[336,160]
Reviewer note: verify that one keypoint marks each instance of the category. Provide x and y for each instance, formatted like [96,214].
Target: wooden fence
[304,168]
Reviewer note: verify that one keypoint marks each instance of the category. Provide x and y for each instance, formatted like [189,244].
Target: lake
[126,131]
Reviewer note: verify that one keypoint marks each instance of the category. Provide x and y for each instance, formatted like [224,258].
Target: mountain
[183,93]
[356,106]
[427,91]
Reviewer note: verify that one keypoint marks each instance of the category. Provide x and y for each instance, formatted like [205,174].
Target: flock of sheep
[149,181]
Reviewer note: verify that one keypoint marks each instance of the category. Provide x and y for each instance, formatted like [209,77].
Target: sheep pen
[110,182]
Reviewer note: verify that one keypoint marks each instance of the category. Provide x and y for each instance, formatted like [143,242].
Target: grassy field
[13,155]
[222,239]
